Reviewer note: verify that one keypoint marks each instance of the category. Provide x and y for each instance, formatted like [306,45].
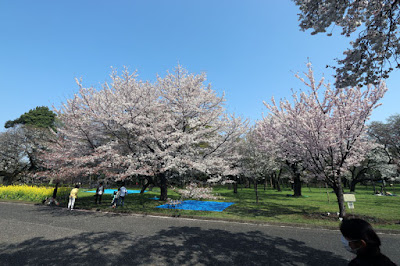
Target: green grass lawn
[382,212]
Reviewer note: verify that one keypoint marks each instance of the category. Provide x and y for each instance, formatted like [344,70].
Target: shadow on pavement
[64,212]
[173,246]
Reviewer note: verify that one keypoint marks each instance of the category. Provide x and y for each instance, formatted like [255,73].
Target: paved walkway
[41,235]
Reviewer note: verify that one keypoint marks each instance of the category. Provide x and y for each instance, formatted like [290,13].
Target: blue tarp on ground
[195,205]
[111,191]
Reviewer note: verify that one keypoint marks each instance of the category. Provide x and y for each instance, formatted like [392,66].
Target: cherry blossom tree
[263,157]
[233,169]
[375,167]
[388,135]
[11,155]
[258,159]
[61,161]
[129,127]
[278,139]
[374,52]
[326,126]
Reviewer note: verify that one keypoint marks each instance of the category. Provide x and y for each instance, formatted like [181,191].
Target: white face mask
[346,245]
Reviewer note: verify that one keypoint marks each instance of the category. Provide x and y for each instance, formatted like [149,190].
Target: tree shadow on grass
[252,211]
[270,210]
[172,246]
[263,195]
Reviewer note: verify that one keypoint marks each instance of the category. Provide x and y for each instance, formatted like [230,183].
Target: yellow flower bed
[30,193]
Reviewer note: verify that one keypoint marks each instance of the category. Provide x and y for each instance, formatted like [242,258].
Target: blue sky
[249,49]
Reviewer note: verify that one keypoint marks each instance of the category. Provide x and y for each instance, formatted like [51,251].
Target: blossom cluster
[323,128]
[130,127]
[374,52]
[193,191]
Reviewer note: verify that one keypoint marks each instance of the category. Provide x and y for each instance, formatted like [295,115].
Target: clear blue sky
[249,49]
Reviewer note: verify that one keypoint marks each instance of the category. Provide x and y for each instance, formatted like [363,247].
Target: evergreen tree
[40,117]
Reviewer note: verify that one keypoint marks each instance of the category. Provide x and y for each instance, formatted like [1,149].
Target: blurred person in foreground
[360,238]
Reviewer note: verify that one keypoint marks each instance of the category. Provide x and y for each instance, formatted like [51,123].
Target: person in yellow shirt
[72,197]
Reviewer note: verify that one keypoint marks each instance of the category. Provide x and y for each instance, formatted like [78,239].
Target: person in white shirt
[123,193]
[99,193]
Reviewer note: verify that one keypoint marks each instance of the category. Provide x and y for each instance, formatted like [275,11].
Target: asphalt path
[42,235]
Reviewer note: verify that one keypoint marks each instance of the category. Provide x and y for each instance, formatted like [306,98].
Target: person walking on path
[123,193]
[72,197]
[99,193]
[360,239]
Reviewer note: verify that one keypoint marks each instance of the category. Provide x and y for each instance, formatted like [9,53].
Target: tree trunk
[256,189]
[273,178]
[55,190]
[235,185]
[279,179]
[278,185]
[339,194]
[353,185]
[144,187]
[296,179]
[297,185]
[346,182]
[163,187]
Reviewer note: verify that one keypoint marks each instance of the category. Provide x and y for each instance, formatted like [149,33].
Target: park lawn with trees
[183,133]
[175,126]
[322,130]
[178,127]
[273,207]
